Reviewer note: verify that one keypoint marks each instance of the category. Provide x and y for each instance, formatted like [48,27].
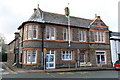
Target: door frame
[50,62]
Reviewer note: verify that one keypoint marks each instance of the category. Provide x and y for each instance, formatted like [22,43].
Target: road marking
[61,73]
[69,73]
[65,73]
[82,72]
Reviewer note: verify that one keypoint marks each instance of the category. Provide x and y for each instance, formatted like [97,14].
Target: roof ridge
[70,16]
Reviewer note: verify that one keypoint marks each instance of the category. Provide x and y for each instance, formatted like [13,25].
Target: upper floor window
[82,36]
[50,33]
[31,32]
[99,36]
[65,34]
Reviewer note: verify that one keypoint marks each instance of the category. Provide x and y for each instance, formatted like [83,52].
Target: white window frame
[51,33]
[30,32]
[99,36]
[69,53]
[29,52]
[100,53]
[82,36]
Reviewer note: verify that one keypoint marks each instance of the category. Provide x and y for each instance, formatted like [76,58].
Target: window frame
[99,36]
[82,35]
[26,53]
[65,34]
[51,36]
[69,53]
[29,32]
[101,53]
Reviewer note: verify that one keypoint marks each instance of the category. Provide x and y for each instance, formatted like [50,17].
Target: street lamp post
[43,26]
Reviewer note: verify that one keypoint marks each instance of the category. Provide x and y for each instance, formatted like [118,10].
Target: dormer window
[31,31]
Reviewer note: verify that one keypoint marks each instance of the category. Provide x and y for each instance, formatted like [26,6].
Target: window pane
[47,32]
[52,33]
[51,58]
[102,37]
[95,36]
[66,55]
[28,56]
[29,32]
[65,34]
[99,36]
[52,51]
[80,35]
[34,56]
[84,36]
[24,56]
[98,59]
[34,31]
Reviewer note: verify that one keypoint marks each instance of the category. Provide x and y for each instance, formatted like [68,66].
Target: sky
[14,12]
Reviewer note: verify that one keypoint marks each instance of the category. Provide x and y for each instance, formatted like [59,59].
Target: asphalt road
[81,75]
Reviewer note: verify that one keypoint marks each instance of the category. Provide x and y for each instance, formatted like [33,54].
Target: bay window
[31,32]
[30,56]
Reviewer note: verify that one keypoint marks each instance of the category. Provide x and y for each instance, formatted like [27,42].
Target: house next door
[50,59]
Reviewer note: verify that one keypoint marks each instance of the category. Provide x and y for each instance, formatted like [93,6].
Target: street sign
[45,49]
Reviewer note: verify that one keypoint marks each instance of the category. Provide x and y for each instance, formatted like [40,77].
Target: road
[101,75]
[83,74]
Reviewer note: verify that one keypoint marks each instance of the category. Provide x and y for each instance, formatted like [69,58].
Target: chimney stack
[16,34]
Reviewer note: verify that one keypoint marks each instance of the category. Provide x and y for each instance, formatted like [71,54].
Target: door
[50,59]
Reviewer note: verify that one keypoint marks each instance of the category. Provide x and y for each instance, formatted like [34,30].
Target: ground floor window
[30,56]
[82,56]
[66,55]
[100,57]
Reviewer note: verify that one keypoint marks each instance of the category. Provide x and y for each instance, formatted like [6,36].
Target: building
[115,45]
[13,50]
[44,42]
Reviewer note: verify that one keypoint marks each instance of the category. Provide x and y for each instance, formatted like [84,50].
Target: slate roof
[47,17]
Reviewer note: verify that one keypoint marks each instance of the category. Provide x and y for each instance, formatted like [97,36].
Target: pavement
[21,70]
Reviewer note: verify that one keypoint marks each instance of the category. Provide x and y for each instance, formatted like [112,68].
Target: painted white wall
[115,45]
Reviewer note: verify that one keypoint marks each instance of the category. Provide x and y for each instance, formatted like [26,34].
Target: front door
[50,59]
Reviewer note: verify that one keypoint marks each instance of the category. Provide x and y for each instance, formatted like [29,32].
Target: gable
[98,22]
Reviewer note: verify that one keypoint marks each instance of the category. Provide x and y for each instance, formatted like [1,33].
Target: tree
[3,55]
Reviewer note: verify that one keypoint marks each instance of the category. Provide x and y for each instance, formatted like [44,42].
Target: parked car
[117,65]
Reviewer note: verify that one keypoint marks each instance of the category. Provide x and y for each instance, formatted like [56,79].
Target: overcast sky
[14,12]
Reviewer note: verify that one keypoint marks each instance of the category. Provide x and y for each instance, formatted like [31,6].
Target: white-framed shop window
[101,57]
[66,55]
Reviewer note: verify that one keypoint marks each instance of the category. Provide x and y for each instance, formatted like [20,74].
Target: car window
[117,62]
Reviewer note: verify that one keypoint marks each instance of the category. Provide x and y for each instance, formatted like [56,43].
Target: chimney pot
[35,9]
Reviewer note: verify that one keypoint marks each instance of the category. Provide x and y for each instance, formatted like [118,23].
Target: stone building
[13,50]
[44,42]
